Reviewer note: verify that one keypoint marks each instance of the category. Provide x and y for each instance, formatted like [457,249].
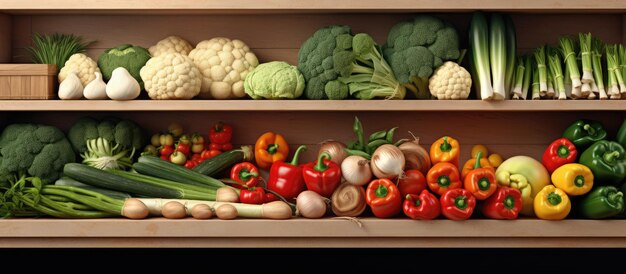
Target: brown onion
[134,209]
[415,155]
[226,212]
[356,170]
[201,212]
[387,162]
[311,205]
[226,194]
[335,149]
[174,210]
[348,200]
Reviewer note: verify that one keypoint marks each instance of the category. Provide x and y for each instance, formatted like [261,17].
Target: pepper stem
[562,151]
[460,202]
[272,149]
[321,166]
[294,162]
[219,126]
[445,146]
[590,130]
[615,198]
[579,181]
[484,184]
[478,156]
[381,191]
[610,156]
[443,181]
[509,202]
[554,199]
[245,174]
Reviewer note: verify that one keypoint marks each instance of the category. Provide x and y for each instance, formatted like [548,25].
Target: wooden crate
[27,81]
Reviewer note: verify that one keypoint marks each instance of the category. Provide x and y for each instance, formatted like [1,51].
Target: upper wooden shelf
[330,232]
[312,105]
[300,6]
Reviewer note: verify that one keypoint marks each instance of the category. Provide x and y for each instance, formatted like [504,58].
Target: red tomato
[209,154]
[190,164]
[184,148]
[166,150]
[196,156]
[213,146]
[165,157]
[227,147]
[412,183]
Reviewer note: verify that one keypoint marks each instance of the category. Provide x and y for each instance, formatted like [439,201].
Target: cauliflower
[450,81]
[171,76]
[171,44]
[224,64]
[84,67]
[274,80]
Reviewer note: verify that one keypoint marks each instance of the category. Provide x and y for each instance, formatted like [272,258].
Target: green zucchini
[156,167]
[213,166]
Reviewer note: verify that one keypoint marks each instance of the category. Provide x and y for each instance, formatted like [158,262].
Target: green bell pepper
[602,202]
[621,134]
[583,133]
[606,161]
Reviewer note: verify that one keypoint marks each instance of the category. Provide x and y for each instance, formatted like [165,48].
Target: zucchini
[67,181]
[100,178]
[157,167]
[213,166]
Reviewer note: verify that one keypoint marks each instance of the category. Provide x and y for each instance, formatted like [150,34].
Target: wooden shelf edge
[312,105]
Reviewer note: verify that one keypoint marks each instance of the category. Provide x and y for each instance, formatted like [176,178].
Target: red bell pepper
[244,173]
[457,204]
[322,176]
[424,206]
[286,178]
[253,195]
[504,204]
[383,197]
[220,147]
[220,133]
[561,151]
[413,182]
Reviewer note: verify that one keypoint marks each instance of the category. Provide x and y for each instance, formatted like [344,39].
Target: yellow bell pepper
[574,179]
[552,203]
[445,149]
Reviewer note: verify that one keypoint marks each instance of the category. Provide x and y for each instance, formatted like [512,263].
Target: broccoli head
[316,59]
[33,150]
[123,132]
[415,48]
[130,57]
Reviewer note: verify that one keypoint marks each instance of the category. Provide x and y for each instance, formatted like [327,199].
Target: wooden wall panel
[277,37]
[6,27]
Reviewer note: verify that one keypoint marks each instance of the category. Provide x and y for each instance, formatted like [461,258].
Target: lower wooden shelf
[331,232]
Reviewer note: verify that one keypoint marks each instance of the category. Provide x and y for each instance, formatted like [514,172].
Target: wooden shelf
[312,105]
[158,232]
[290,6]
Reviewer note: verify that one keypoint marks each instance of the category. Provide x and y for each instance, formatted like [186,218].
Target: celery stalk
[535,85]
[527,77]
[479,44]
[569,56]
[557,74]
[596,63]
[511,50]
[615,68]
[540,59]
[585,56]
[613,89]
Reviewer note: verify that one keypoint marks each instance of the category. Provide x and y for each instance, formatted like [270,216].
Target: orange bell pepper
[469,165]
[446,149]
[481,181]
[443,176]
[269,148]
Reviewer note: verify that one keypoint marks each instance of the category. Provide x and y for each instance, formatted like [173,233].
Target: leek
[498,57]
[569,56]
[615,67]
[527,77]
[613,89]
[557,73]
[550,94]
[519,77]
[511,50]
[535,85]
[540,59]
[479,44]
[567,81]
[585,56]
[596,63]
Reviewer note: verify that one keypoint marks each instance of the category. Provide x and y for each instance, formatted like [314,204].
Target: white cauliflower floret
[171,76]
[450,81]
[224,65]
[171,44]
[84,67]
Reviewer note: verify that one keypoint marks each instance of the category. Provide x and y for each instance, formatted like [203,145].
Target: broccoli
[123,132]
[337,64]
[33,150]
[130,57]
[415,48]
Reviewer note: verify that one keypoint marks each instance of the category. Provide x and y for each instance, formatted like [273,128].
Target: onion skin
[348,201]
[311,205]
[201,212]
[226,212]
[226,194]
[356,170]
[416,157]
[174,210]
[387,170]
[335,149]
[134,209]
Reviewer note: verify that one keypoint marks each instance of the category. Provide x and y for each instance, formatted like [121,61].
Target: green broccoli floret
[123,132]
[415,48]
[130,57]
[33,150]
[336,90]
[315,58]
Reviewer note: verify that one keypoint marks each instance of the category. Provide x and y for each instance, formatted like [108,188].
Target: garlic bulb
[71,88]
[96,89]
[122,86]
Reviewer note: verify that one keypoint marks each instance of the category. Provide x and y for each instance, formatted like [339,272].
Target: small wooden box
[27,81]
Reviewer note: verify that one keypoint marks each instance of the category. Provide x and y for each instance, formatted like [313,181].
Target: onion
[356,170]
[174,210]
[311,205]
[226,194]
[134,209]
[226,212]
[387,162]
[415,155]
[201,212]
[348,200]
[335,149]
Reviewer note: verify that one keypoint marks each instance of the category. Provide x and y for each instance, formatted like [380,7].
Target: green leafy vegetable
[56,48]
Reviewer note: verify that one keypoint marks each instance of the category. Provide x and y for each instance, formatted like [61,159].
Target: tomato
[190,164]
[478,148]
[227,147]
[197,139]
[175,129]
[197,148]
[155,140]
[185,140]
[196,157]
[412,183]
[178,158]
[165,157]
[209,154]
[167,139]
[214,146]
[184,148]
[269,197]
[495,160]
[166,151]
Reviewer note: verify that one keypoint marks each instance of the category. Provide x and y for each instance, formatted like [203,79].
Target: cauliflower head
[171,76]
[171,44]
[224,65]
[450,81]
[84,67]
[274,80]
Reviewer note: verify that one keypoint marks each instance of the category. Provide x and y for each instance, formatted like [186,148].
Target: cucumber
[213,166]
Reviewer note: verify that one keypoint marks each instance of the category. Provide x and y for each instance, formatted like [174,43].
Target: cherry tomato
[155,140]
[166,140]
[166,150]
[196,156]
[178,158]
[197,148]
[184,148]
[165,157]
[185,139]
[227,147]
[207,154]
[190,164]
[175,129]
[197,139]
[214,146]
[412,183]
